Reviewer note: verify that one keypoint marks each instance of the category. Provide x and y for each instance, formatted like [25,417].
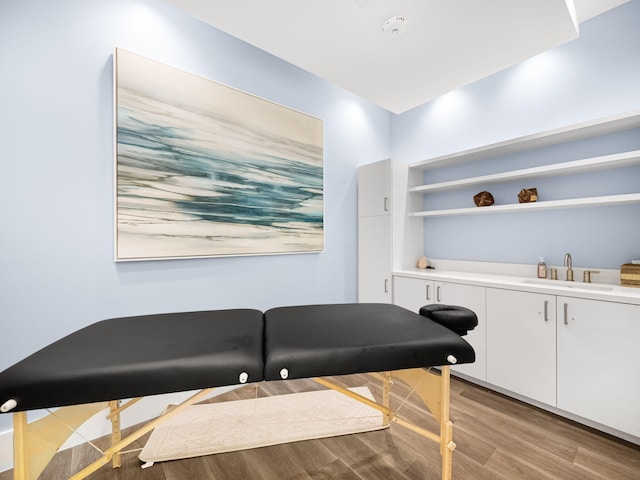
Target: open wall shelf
[579,166]
[603,126]
[537,206]
[579,131]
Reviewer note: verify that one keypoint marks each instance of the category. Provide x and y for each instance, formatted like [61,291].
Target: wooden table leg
[116,436]
[20,452]
[446,427]
[386,391]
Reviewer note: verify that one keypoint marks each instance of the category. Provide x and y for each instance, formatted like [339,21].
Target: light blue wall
[594,76]
[56,124]
[56,268]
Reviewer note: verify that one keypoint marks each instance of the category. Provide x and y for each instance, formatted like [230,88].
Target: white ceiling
[448,43]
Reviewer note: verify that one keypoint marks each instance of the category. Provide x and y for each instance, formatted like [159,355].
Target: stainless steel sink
[563,284]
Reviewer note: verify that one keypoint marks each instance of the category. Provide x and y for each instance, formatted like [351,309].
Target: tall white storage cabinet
[387,238]
[374,232]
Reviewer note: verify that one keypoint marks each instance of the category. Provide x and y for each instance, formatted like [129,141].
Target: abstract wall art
[205,170]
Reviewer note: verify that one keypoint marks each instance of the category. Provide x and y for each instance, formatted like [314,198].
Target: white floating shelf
[536,206]
[570,133]
[578,166]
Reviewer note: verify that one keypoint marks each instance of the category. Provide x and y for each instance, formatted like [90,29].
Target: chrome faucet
[568,263]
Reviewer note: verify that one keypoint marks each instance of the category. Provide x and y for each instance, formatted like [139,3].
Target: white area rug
[242,424]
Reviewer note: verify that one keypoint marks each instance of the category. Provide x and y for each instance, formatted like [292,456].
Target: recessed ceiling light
[395,26]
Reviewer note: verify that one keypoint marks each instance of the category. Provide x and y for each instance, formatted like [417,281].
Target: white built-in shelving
[553,137]
[536,206]
[579,166]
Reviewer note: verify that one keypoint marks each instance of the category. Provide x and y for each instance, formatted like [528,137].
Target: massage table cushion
[137,356]
[324,340]
[153,354]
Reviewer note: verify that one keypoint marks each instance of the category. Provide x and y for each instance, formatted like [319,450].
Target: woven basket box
[630,275]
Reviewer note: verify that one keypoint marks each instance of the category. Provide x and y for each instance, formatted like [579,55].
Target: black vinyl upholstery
[137,356]
[458,319]
[323,340]
[152,354]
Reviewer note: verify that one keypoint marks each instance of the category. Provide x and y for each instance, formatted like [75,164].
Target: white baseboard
[98,425]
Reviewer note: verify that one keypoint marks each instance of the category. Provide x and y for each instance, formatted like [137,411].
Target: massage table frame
[37,442]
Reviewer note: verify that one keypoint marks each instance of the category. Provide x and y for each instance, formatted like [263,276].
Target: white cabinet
[598,360]
[414,293]
[374,259]
[521,343]
[579,357]
[575,354]
[375,226]
[374,189]
[473,298]
[387,238]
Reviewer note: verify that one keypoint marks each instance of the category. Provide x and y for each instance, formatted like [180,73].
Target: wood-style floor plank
[497,438]
[59,465]
[235,465]
[621,468]
[192,468]
[518,454]
[371,455]
[534,426]
[85,454]
[464,468]
[336,469]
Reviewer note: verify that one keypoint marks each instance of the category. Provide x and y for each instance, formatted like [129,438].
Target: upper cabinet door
[374,189]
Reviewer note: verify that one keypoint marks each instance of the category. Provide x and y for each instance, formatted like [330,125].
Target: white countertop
[594,291]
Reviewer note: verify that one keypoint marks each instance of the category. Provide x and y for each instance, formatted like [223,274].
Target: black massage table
[129,358]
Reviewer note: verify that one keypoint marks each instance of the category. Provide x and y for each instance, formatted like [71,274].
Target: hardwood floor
[497,439]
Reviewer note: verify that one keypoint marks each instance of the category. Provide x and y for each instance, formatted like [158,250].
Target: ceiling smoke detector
[395,26]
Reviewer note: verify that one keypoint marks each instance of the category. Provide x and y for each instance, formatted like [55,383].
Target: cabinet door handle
[546,310]
[438,293]
[386,204]
[566,314]
[428,293]
[386,285]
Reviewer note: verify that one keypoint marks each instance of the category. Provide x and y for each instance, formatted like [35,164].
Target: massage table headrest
[458,319]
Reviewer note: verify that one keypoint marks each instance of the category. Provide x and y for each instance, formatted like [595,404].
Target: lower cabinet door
[374,259]
[473,298]
[521,343]
[599,362]
[412,293]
